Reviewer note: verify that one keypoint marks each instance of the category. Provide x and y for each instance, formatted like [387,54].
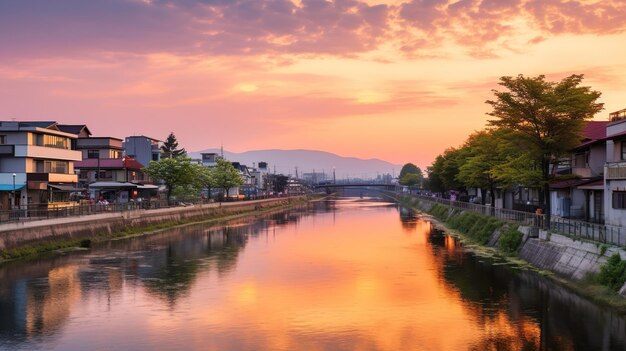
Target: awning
[147,187]
[112,185]
[68,188]
[595,185]
[9,187]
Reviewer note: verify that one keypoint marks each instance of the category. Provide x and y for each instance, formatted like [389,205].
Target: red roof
[595,130]
[111,163]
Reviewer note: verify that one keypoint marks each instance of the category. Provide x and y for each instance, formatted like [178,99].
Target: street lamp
[13,204]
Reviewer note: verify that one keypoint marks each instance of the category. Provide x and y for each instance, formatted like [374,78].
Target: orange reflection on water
[357,279]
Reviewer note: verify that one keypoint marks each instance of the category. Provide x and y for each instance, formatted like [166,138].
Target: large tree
[226,176]
[410,175]
[547,116]
[170,149]
[173,172]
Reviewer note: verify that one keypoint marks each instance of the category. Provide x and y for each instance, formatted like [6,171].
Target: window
[580,160]
[3,139]
[155,157]
[619,199]
[93,153]
[52,141]
[42,166]
[115,154]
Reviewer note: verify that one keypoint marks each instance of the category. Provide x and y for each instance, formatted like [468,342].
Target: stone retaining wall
[13,235]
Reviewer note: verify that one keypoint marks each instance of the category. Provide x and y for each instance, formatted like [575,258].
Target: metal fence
[590,231]
[575,229]
[41,212]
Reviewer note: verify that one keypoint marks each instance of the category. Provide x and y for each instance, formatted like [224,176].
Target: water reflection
[339,275]
[524,310]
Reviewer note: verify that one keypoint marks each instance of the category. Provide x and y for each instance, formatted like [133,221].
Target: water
[355,274]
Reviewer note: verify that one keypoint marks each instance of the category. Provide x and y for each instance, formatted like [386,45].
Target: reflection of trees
[408,217]
[528,311]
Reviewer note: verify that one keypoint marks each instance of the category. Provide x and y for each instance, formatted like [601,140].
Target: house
[36,164]
[615,170]
[582,196]
[142,148]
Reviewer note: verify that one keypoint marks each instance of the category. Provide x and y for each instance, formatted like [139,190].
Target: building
[615,170]
[582,197]
[36,163]
[142,148]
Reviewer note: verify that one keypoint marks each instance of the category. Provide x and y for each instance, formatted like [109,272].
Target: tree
[547,116]
[411,179]
[205,179]
[170,148]
[173,172]
[484,152]
[409,168]
[442,174]
[226,175]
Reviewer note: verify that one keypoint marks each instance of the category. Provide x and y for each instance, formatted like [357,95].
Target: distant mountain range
[309,161]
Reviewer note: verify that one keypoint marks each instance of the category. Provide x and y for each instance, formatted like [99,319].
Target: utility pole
[297,172]
[334,177]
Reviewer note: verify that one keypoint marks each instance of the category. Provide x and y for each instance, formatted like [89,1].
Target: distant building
[142,148]
[209,159]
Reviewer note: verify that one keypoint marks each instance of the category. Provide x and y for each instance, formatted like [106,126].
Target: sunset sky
[396,80]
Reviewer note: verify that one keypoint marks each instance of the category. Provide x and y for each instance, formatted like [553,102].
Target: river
[351,274]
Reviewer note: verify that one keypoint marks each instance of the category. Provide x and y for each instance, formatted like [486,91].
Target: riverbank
[21,240]
[573,264]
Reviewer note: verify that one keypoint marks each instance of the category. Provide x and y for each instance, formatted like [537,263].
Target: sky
[396,80]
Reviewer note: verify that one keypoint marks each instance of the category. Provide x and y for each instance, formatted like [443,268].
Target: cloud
[69,28]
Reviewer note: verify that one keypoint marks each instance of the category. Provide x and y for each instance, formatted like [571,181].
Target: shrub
[510,240]
[613,273]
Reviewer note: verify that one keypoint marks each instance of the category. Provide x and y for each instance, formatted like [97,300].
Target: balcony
[615,170]
[52,177]
[47,153]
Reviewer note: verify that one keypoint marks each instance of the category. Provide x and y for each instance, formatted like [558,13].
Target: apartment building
[36,164]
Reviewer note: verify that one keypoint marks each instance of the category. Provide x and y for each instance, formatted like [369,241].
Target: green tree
[411,179]
[173,172]
[484,151]
[170,148]
[409,168]
[205,179]
[442,174]
[226,176]
[547,116]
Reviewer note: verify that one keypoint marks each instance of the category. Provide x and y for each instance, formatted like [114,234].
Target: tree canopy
[547,118]
[173,172]
[170,149]
[226,176]
[409,168]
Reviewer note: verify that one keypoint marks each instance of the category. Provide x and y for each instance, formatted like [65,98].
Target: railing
[590,231]
[42,212]
[572,228]
[520,217]
[615,170]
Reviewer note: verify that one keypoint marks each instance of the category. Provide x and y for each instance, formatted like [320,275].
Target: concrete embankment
[568,258]
[16,235]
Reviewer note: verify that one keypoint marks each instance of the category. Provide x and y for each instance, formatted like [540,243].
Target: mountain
[308,161]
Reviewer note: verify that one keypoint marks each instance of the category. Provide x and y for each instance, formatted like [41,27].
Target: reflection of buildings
[39,306]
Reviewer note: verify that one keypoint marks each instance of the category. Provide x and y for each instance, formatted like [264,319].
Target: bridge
[330,186]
